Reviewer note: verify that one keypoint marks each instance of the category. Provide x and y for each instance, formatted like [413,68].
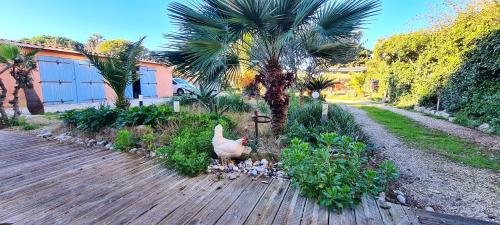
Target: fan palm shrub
[118,70]
[21,62]
[319,83]
[214,33]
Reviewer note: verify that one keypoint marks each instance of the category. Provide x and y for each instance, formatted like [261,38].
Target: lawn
[431,140]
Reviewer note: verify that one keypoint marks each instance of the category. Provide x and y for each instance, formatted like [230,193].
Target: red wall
[163,78]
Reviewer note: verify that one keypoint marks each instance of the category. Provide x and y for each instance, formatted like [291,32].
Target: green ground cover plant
[334,171]
[124,140]
[427,139]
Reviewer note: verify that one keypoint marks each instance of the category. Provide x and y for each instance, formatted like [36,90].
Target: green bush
[151,115]
[473,91]
[234,102]
[304,122]
[334,172]
[124,140]
[191,145]
[95,119]
[91,119]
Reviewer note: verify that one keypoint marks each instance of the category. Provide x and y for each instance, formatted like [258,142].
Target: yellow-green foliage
[113,46]
[357,82]
[415,66]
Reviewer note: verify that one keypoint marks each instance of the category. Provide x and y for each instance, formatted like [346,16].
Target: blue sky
[131,19]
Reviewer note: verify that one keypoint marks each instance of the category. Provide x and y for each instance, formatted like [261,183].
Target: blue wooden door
[57,76]
[148,82]
[89,83]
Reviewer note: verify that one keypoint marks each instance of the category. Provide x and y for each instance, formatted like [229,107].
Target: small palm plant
[213,35]
[20,62]
[118,70]
[207,97]
[319,83]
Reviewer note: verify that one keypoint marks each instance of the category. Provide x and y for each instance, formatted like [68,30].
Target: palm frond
[339,19]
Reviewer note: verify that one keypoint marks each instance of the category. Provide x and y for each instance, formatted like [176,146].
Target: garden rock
[429,209]
[102,143]
[486,128]
[45,135]
[109,146]
[152,154]
[134,150]
[402,199]
[233,176]
[62,137]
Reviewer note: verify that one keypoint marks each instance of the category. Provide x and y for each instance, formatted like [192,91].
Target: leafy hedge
[414,68]
[473,91]
[334,172]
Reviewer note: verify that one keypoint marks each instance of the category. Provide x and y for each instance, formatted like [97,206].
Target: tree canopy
[49,40]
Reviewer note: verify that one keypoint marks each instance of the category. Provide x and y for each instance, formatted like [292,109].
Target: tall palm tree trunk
[15,102]
[33,102]
[276,96]
[3,96]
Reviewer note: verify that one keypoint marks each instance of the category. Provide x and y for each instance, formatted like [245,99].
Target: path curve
[487,140]
[432,180]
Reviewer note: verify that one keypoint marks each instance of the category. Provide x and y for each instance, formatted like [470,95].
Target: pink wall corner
[164,81]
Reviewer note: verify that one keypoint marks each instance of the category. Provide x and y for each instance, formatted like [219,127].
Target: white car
[181,86]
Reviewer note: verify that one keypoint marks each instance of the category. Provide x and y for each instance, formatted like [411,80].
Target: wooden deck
[46,182]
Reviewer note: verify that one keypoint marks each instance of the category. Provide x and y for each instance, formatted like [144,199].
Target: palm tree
[21,63]
[319,83]
[213,34]
[118,70]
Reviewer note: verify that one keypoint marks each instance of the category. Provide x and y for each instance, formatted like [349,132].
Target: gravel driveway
[480,138]
[431,180]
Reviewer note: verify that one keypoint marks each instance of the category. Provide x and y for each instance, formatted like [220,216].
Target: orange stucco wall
[163,78]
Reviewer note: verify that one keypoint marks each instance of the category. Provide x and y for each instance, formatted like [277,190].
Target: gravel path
[480,138]
[431,180]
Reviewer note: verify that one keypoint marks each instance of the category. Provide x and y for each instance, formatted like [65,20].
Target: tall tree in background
[21,63]
[118,70]
[93,42]
[211,36]
[49,40]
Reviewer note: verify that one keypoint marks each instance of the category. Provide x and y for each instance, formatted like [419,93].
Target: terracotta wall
[163,78]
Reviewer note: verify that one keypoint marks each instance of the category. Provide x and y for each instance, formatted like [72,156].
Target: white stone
[109,146]
[132,150]
[264,162]
[152,154]
[402,199]
[429,209]
[248,163]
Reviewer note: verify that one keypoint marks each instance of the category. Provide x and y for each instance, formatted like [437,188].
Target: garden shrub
[94,119]
[235,103]
[190,146]
[91,119]
[473,91]
[334,172]
[124,140]
[151,115]
[304,122]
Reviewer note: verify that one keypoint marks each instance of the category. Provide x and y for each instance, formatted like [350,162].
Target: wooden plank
[266,209]
[412,217]
[445,219]
[290,211]
[367,212]
[194,204]
[85,204]
[25,186]
[166,205]
[394,214]
[80,194]
[314,214]
[37,199]
[346,217]
[45,165]
[251,200]
[224,199]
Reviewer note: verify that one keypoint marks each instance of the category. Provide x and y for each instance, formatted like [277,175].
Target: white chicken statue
[226,149]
